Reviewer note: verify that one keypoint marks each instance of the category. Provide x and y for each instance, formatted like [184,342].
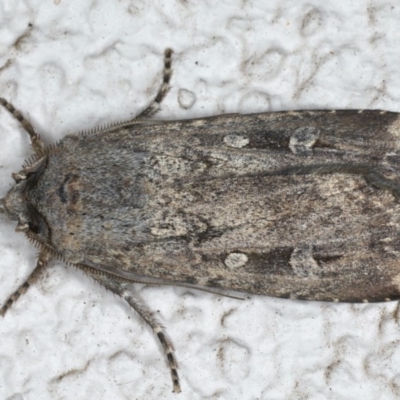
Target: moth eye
[33,228]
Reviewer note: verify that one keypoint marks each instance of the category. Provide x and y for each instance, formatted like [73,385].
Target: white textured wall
[84,63]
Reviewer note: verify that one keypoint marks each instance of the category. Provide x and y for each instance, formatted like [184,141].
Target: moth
[300,205]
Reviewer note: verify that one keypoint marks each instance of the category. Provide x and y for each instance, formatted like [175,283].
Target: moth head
[19,205]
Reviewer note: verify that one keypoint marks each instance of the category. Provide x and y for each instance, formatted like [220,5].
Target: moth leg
[110,282]
[162,92]
[37,143]
[42,261]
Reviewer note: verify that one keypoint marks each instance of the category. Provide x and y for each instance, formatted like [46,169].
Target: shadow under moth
[300,205]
